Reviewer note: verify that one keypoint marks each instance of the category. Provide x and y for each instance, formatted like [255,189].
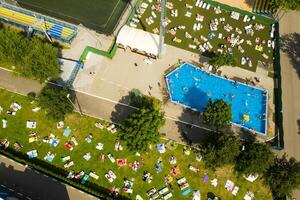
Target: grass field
[100,15]
[82,126]
[188,22]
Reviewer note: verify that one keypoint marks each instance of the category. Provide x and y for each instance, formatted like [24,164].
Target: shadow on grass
[290,44]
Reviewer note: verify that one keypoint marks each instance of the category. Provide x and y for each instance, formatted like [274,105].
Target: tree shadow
[250,3]
[40,187]
[193,130]
[290,44]
[122,109]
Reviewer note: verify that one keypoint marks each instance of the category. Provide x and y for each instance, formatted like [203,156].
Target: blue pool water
[193,87]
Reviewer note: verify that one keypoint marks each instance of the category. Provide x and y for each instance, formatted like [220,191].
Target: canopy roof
[138,39]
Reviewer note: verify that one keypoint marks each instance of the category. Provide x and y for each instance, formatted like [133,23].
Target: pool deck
[114,78]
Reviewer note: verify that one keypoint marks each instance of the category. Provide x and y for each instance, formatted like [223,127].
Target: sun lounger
[36,109]
[68,164]
[93,175]
[235,190]
[168,196]
[154,196]
[73,139]
[111,158]
[208,7]
[163,191]
[31,124]
[186,192]
[229,185]
[67,132]
[65,159]
[69,146]
[214,182]
[32,154]
[151,192]
[188,14]
[99,146]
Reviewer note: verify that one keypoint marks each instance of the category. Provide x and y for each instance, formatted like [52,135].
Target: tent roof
[138,39]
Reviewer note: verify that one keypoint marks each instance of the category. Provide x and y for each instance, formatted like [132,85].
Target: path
[290,23]
[30,184]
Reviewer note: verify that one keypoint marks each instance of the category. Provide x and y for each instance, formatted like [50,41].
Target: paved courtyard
[114,78]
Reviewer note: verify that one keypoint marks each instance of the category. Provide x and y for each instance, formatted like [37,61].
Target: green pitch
[100,15]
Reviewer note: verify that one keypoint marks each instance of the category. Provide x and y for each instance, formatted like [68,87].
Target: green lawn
[100,15]
[210,14]
[82,126]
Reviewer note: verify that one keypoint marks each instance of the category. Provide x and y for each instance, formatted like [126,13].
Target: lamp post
[68,97]
[161,49]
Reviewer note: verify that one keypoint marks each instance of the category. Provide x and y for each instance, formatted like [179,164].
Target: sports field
[99,15]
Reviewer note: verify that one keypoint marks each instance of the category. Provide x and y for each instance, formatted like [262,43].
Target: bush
[219,60]
[284,176]
[256,158]
[141,129]
[55,101]
[31,96]
[221,149]
[217,113]
[32,58]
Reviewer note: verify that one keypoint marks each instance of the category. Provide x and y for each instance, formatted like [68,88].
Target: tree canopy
[285,4]
[221,59]
[284,176]
[221,149]
[255,158]
[217,113]
[31,57]
[141,129]
[54,100]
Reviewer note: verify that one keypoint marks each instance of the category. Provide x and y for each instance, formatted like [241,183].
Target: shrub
[55,101]
[217,113]
[32,57]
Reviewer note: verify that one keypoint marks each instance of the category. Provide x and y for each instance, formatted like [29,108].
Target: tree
[256,158]
[221,149]
[55,101]
[217,113]
[141,129]
[221,59]
[31,57]
[285,4]
[284,176]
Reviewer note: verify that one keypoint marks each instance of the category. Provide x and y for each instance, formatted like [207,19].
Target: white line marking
[11,190]
[20,194]
[3,186]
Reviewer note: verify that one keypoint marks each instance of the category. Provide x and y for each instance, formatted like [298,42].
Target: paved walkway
[30,184]
[290,23]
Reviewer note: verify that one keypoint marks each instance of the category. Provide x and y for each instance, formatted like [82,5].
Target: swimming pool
[192,88]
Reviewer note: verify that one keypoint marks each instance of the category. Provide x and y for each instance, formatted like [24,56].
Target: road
[30,184]
[289,24]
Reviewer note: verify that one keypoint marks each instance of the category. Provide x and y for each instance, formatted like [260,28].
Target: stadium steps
[262,7]
[58,30]
[79,65]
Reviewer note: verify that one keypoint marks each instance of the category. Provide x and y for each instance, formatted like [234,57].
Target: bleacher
[40,24]
[262,7]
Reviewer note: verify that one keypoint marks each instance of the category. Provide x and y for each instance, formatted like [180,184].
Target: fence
[58,173]
[279,132]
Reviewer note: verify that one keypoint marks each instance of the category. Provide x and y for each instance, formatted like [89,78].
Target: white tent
[138,40]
